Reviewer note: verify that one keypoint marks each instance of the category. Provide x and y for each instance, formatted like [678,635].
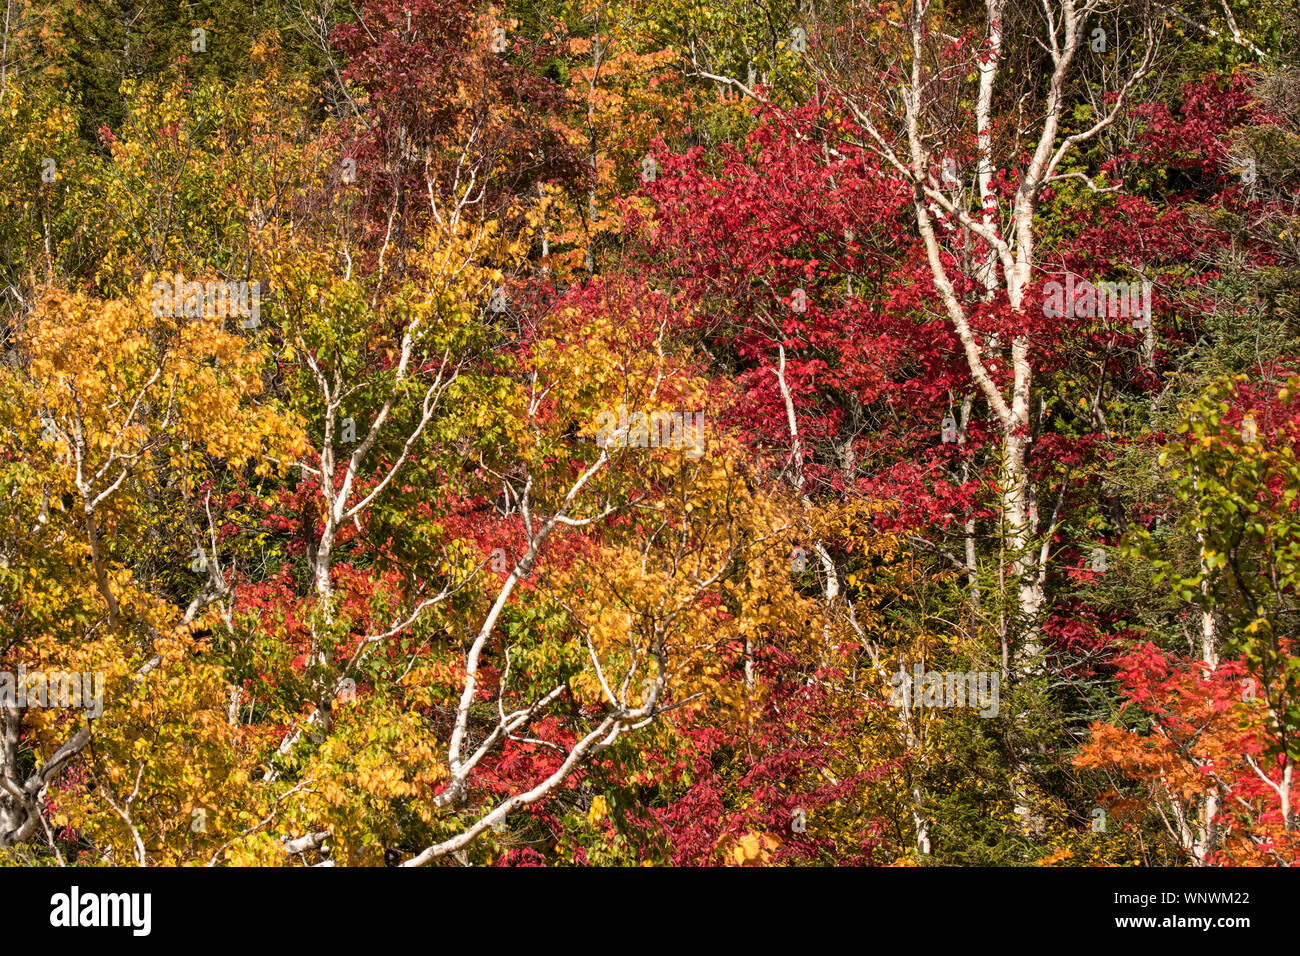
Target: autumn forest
[560,433]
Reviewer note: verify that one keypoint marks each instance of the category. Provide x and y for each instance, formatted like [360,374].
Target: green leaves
[1235,469]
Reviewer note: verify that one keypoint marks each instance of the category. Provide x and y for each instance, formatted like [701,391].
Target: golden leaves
[750,849]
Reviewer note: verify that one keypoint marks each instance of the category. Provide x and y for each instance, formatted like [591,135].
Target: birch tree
[980,125]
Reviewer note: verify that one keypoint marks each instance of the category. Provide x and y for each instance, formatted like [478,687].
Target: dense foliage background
[384,564]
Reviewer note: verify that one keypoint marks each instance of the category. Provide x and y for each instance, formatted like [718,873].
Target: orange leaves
[1055,858]
[1206,752]
[751,849]
[119,380]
